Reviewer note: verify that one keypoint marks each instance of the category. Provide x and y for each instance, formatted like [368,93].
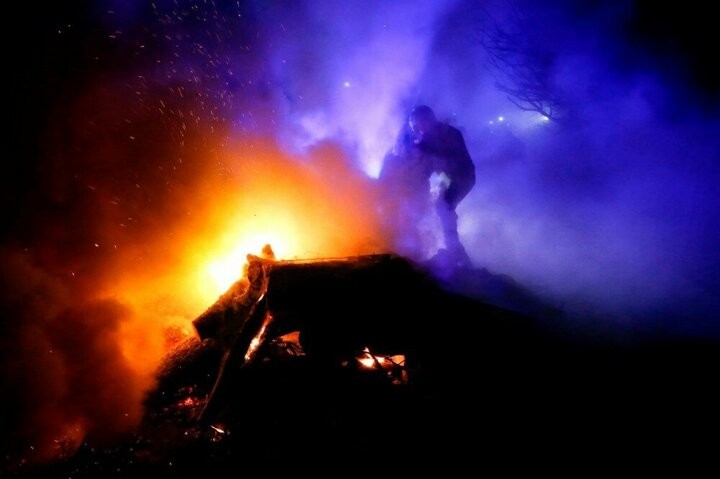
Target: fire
[161,231]
[248,235]
[393,366]
[371,361]
[185,244]
[318,207]
[257,340]
[190,402]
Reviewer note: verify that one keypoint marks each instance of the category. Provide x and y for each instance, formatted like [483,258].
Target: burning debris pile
[351,351]
[367,362]
[308,336]
[359,313]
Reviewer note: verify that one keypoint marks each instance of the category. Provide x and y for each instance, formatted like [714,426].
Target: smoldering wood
[339,306]
[356,301]
[211,323]
[225,319]
[233,321]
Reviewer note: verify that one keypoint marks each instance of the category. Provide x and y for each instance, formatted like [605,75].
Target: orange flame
[370,361]
[257,340]
[166,269]
[157,238]
[317,208]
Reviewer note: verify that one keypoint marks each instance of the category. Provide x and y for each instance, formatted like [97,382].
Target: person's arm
[462,168]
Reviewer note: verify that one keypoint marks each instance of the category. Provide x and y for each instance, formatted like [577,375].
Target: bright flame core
[228,267]
[370,361]
[303,210]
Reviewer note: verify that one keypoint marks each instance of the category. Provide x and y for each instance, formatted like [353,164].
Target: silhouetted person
[430,160]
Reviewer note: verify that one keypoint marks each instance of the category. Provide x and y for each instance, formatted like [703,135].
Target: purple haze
[609,213]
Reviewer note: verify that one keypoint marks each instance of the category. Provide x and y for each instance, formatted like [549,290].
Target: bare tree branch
[521,67]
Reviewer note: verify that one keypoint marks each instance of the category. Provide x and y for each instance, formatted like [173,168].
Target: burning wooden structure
[366,311]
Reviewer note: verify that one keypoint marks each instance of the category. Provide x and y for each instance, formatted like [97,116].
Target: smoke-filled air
[156,144]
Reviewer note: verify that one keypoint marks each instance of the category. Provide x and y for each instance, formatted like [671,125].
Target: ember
[393,365]
[370,360]
[258,339]
[189,402]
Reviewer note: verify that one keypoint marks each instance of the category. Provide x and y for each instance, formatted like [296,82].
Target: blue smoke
[610,211]
[345,68]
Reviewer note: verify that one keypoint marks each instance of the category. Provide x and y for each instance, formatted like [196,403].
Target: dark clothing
[408,168]
[445,148]
[440,150]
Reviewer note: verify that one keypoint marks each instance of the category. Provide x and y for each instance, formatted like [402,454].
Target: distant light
[501,118]
[544,118]
[346,84]
[491,122]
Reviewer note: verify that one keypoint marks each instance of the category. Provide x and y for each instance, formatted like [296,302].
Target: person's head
[421,119]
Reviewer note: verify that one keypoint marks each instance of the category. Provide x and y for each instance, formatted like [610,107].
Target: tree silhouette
[521,62]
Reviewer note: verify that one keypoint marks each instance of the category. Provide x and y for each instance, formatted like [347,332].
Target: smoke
[63,372]
[345,70]
[610,211]
[606,210]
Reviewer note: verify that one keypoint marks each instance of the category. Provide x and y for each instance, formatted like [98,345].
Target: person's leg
[448,220]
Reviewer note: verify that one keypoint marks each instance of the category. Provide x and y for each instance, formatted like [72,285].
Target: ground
[497,389]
